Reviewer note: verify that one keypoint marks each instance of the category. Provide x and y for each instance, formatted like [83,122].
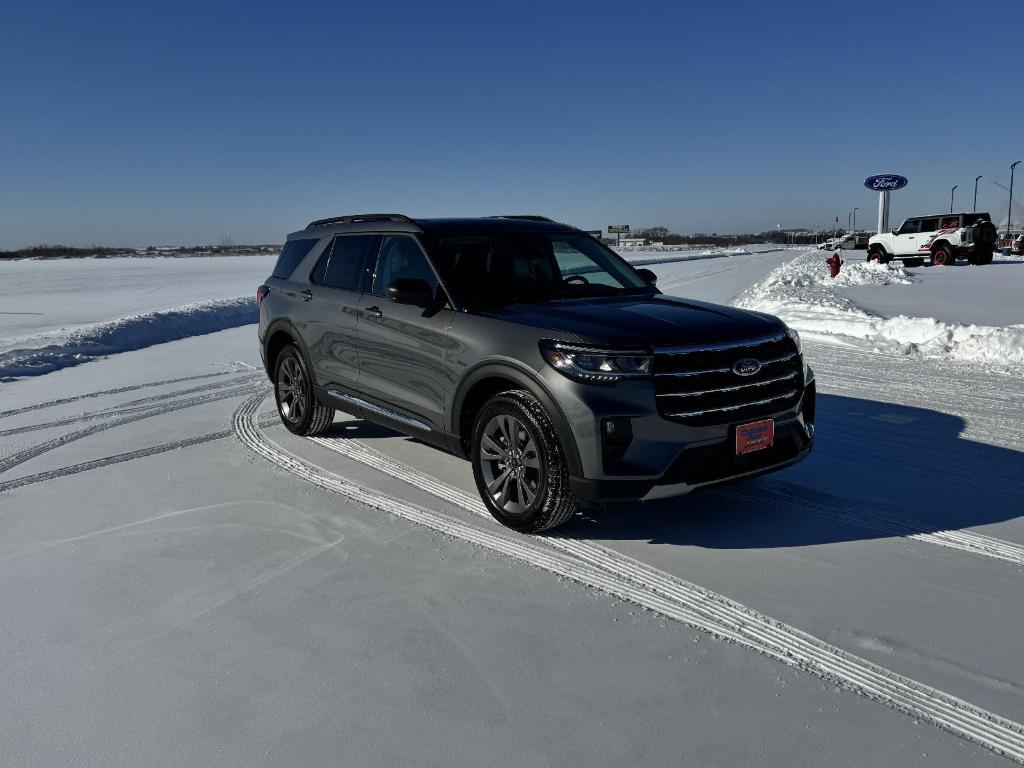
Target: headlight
[595,365]
[796,339]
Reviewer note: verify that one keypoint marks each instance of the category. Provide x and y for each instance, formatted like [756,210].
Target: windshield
[504,268]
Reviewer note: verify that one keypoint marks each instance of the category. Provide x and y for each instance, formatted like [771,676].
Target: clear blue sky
[137,123]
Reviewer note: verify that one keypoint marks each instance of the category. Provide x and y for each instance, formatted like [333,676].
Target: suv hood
[641,321]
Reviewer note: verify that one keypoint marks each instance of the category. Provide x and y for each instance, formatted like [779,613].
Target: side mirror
[896,231]
[649,277]
[411,290]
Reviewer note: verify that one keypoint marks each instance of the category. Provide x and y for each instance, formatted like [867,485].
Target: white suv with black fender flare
[942,238]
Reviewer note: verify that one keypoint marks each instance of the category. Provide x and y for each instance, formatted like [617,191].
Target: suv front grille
[697,385]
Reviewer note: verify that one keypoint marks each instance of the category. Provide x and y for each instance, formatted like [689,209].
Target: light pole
[855,218]
[1009,207]
[951,192]
[976,178]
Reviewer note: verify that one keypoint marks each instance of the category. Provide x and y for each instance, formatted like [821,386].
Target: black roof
[490,224]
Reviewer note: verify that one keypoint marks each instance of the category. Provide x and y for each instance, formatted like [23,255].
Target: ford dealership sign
[887,182]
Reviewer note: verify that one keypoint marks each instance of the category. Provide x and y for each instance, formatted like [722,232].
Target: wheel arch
[279,334]
[484,381]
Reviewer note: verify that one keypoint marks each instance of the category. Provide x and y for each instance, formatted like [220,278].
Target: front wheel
[519,465]
[877,253]
[943,256]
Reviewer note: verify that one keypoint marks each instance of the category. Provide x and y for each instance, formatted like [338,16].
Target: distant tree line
[798,236]
[70,252]
[61,252]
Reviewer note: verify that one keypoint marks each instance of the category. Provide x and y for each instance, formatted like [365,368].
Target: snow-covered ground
[183,582]
[56,313]
[963,313]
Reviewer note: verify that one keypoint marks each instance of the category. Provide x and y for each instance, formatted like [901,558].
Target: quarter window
[401,257]
[342,264]
[292,254]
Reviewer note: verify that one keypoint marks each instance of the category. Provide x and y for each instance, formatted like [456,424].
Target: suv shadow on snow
[878,470]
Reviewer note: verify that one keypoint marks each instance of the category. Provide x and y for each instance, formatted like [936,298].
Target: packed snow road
[182,581]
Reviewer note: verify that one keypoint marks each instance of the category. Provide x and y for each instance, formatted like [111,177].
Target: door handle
[374,312]
[307,295]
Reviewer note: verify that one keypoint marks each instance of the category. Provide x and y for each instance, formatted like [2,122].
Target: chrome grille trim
[719,347]
[740,406]
[678,374]
[697,392]
[685,374]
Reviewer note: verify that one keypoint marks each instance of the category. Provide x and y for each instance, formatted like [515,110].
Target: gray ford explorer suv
[527,346]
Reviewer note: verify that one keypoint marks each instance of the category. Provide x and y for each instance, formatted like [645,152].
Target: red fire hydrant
[835,261]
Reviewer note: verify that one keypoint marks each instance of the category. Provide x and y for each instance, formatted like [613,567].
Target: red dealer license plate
[756,436]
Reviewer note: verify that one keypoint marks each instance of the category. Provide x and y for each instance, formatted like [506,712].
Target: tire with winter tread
[296,401]
[943,255]
[553,502]
[877,253]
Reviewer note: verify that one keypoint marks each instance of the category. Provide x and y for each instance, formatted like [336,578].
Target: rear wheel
[943,256]
[293,390]
[981,258]
[519,465]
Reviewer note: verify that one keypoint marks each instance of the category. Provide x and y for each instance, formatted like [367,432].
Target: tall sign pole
[1009,206]
[618,230]
[883,184]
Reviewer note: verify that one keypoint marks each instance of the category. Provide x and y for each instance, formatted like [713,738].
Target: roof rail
[523,217]
[357,217]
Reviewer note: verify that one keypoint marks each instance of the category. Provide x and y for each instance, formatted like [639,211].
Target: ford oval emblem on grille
[748,366]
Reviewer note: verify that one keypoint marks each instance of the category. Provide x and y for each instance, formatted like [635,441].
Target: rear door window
[929,225]
[292,254]
[341,265]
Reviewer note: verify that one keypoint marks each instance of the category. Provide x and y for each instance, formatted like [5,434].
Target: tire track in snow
[19,457]
[133,406]
[834,509]
[596,567]
[825,507]
[119,458]
[987,403]
[103,392]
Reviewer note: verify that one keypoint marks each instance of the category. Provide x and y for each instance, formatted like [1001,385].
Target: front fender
[527,379]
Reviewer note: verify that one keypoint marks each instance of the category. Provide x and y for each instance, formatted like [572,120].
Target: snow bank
[643,258]
[806,298]
[54,351]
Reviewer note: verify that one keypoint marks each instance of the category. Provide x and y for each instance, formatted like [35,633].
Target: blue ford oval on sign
[885,182]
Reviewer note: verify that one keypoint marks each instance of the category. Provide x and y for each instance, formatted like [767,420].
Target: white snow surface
[40,297]
[802,293]
[167,546]
[62,349]
[56,313]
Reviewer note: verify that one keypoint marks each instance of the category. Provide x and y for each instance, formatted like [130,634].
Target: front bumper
[668,459]
[700,468]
